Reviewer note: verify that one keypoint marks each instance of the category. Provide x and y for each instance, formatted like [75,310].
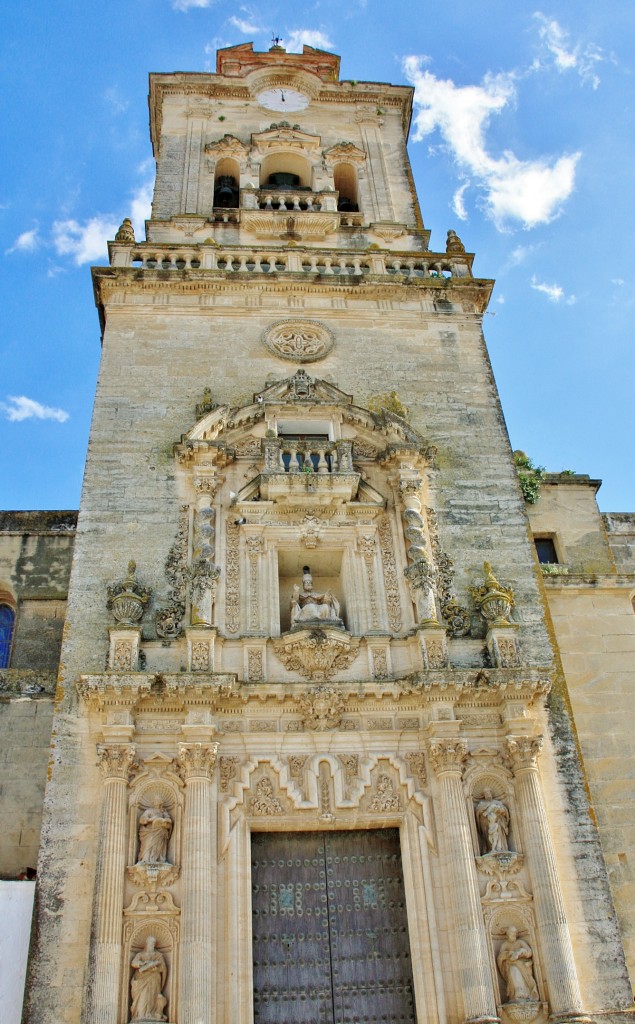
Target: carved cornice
[140,689]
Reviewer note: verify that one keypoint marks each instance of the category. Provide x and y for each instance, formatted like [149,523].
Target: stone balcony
[434,268]
[308,473]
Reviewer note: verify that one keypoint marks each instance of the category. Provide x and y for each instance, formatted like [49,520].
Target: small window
[7,623]
[546,551]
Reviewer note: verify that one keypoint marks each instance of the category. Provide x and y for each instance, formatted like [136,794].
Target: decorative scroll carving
[122,658]
[197,760]
[249,448]
[385,798]
[505,651]
[303,341]
[255,547]
[317,653]
[169,620]
[322,708]
[448,755]
[499,867]
[232,579]
[228,769]
[523,751]
[344,151]
[456,616]
[127,598]
[416,763]
[255,670]
[391,583]
[367,547]
[228,146]
[310,531]
[116,761]
[350,764]
[363,450]
[380,664]
[296,763]
[265,802]
[200,656]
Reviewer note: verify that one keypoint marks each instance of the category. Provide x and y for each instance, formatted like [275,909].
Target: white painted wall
[16,909]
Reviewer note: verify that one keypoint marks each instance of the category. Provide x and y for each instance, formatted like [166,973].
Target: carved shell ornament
[302,341]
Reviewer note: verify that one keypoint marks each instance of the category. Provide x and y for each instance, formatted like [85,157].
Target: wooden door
[330,936]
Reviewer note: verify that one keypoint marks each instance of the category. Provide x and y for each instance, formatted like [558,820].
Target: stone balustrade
[288,199]
[331,263]
[287,456]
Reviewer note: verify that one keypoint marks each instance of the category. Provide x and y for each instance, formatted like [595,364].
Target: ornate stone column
[557,953]
[116,762]
[447,756]
[196,990]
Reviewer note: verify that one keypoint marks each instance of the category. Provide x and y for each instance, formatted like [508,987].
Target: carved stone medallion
[303,341]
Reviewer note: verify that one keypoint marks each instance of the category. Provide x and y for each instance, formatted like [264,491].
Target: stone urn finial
[494,600]
[453,242]
[127,598]
[126,232]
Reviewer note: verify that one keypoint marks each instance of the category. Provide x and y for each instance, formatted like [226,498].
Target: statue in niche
[307,606]
[492,818]
[515,962]
[155,829]
[146,987]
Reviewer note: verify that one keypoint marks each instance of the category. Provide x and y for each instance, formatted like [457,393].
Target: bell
[283,179]
[346,205]
[226,192]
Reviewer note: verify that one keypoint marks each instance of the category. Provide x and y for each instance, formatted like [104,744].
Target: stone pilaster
[447,756]
[197,761]
[116,762]
[557,953]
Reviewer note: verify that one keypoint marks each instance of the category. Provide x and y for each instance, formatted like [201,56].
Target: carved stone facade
[382,685]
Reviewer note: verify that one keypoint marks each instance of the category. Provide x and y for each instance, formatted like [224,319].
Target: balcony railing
[284,455]
[243,260]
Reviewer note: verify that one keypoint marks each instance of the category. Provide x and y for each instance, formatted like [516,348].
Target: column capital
[523,751]
[197,760]
[116,760]
[448,755]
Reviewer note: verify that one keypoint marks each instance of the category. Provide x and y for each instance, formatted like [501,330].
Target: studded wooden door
[330,938]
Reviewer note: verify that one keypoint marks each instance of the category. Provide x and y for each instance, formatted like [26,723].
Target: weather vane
[276,40]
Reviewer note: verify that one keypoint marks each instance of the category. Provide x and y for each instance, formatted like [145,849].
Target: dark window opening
[7,622]
[546,551]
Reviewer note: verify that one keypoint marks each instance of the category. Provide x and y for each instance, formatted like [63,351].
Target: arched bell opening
[285,171]
[226,190]
[345,182]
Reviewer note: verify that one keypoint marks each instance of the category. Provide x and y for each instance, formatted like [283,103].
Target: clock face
[282,98]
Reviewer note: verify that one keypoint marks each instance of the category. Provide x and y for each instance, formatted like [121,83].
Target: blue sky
[522,141]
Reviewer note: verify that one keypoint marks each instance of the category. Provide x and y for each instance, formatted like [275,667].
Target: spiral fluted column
[116,762]
[475,977]
[196,994]
[557,952]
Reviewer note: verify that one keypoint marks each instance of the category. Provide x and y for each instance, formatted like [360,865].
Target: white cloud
[619,281]
[116,102]
[554,292]
[84,242]
[248,28]
[28,241]
[458,202]
[23,408]
[300,37]
[141,207]
[567,57]
[529,191]
[185,5]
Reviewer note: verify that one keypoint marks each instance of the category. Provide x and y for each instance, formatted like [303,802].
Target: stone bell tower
[304,766]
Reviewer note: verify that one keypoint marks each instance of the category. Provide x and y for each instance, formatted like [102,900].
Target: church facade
[313,754]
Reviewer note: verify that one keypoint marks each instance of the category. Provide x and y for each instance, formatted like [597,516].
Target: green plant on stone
[529,477]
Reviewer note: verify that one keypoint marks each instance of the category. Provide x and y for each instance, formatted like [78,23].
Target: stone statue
[306,604]
[492,818]
[515,962]
[146,986]
[155,828]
